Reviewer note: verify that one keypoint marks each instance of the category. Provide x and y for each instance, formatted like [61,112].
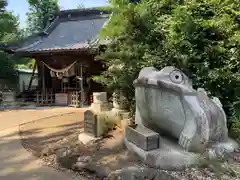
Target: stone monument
[90,123]
[94,127]
[100,102]
[187,120]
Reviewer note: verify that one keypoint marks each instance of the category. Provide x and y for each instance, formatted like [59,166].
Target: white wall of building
[24,79]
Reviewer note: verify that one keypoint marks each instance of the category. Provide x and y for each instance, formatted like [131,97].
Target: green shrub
[235,128]
[108,120]
[202,38]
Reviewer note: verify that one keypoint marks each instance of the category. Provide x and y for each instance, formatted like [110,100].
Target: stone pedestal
[190,122]
[8,98]
[90,123]
[99,97]
[97,107]
[93,124]
[100,102]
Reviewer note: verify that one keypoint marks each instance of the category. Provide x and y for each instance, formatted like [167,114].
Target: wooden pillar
[82,89]
[33,73]
[43,77]
[39,73]
[77,74]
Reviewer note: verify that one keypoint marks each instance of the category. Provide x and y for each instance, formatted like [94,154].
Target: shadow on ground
[17,163]
[37,135]
[108,154]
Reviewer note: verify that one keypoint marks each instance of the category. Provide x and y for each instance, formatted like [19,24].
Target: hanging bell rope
[60,70]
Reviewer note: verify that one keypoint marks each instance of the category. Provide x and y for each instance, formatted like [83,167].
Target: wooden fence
[45,98]
[74,99]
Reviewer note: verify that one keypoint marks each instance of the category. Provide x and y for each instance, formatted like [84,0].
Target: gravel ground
[103,149]
[50,161]
[190,173]
[108,154]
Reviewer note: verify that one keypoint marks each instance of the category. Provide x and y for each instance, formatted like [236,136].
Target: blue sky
[20,7]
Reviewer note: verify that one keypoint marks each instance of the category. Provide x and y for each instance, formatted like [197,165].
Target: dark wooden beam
[33,73]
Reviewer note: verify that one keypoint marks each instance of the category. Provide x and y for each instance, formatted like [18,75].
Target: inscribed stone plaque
[90,122]
[142,137]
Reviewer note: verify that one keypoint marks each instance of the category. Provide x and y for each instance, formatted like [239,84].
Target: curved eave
[7,50]
[56,51]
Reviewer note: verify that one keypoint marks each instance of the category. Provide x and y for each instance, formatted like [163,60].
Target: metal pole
[82,90]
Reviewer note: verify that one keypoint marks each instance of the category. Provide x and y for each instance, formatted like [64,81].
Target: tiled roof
[71,30]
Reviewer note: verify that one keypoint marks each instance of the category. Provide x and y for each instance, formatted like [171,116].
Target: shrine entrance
[65,57]
[67,82]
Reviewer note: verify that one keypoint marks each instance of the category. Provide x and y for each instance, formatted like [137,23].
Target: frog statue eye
[176,76]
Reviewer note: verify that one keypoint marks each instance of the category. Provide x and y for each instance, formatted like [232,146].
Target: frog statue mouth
[168,78]
[166,99]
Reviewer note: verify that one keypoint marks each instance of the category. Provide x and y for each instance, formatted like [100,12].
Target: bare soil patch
[45,138]
[39,134]
[55,141]
[107,154]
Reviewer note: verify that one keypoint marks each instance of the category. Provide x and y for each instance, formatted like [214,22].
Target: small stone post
[100,102]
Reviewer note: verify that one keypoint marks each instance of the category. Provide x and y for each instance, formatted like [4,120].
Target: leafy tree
[9,31]
[3,4]
[8,23]
[202,38]
[41,11]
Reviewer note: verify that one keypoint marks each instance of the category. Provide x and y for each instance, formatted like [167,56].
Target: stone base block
[142,137]
[8,97]
[97,107]
[170,156]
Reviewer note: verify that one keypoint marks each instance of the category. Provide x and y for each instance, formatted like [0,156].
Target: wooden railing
[47,98]
[44,98]
[74,99]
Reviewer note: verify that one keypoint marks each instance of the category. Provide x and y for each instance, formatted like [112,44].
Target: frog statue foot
[167,103]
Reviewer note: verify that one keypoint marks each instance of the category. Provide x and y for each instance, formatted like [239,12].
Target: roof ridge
[55,22]
[95,20]
[51,26]
[81,10]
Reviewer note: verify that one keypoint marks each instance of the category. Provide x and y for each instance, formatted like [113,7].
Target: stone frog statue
[167,103]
